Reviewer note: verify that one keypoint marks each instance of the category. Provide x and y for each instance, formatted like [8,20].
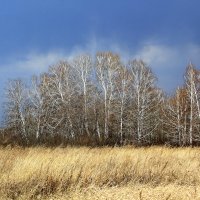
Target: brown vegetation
[100,173]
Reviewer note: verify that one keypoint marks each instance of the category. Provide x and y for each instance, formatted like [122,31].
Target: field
[100,173]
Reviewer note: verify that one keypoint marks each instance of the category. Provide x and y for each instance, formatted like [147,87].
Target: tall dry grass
[100,173]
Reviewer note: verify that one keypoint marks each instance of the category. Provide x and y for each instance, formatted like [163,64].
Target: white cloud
[38,62]
[164,56]
[31,63]
[156,54]
[168,62]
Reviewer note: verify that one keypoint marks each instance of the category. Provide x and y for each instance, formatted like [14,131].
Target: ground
[100,173]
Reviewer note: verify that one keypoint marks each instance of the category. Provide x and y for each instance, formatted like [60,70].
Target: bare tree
[83,66]
[176,111]
[61,88]
[103,102]
[145,99]
[39,110]
[107,65]
[123,88]
[16,105]
[192,79]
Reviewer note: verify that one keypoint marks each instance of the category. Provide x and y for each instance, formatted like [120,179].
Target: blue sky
[37,33]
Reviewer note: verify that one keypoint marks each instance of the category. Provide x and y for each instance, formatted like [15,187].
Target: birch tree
[192,79]
[16,105]
[175,113]
[145,99]
[61,90]
[123,88]
[38,107]
[107,65]
[83,66]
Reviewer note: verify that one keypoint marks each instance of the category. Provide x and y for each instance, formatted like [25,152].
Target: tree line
[101,100]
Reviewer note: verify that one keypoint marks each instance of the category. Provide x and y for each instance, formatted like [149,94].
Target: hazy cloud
[163,56]
[168,62]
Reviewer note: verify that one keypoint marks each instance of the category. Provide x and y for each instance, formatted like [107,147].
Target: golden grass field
[100,173]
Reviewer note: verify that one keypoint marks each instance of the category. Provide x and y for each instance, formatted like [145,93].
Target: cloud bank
[168,62]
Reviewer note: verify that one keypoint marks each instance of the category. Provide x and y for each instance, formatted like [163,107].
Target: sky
[35,34]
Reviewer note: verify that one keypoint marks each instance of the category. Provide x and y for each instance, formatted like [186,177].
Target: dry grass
[100,173]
